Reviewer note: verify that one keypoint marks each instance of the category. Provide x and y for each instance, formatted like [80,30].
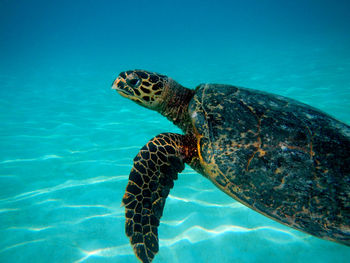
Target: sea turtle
[280,157]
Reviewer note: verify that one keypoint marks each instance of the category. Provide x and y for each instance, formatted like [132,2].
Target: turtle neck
[175,105]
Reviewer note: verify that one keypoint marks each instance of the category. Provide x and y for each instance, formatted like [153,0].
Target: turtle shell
[282,158]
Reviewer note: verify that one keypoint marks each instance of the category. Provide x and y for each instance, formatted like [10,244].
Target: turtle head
[143,87]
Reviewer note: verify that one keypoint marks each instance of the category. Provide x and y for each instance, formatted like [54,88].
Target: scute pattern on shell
[278,156]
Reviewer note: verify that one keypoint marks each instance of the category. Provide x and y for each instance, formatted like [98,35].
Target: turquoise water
[67,140]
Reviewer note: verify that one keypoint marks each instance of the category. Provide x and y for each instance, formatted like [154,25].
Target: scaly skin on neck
[176,99]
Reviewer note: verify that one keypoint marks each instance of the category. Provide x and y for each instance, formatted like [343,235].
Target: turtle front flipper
[155,168]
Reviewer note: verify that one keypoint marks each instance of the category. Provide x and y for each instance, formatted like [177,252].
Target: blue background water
[67,141]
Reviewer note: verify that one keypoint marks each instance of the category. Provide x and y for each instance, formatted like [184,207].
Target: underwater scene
[67,140]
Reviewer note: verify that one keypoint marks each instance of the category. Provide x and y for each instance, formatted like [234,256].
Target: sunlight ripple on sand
[204,203]
[81,220]
[65,185]
[31,229]
[176,222]
[42,158]
[6,210]
[21,244]
[106,252]
[197,234]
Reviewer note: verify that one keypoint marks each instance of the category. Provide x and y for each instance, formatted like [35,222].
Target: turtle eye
[133,82]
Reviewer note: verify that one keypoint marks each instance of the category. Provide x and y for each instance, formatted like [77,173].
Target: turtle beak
[116,83]
[120,86]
